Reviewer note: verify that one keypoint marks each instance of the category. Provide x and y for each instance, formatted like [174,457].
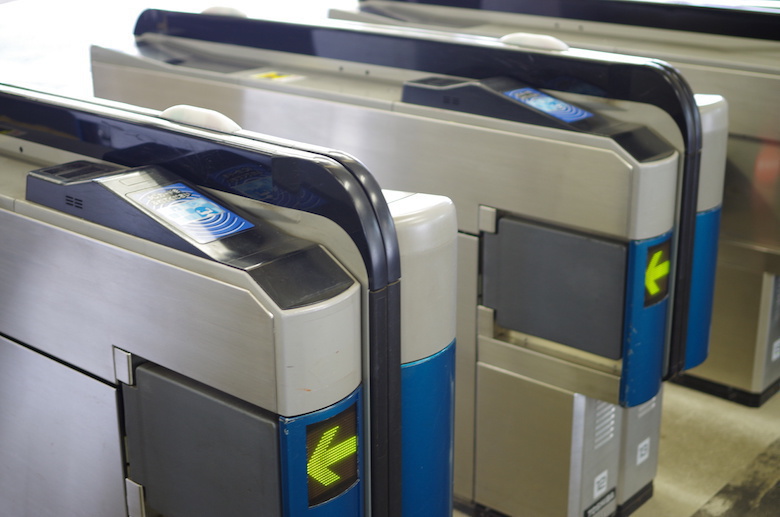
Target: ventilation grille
[606,416]
[74,202]
[647,408]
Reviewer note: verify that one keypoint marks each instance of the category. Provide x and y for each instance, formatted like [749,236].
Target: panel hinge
[123,366]
[136,503]
[488,219]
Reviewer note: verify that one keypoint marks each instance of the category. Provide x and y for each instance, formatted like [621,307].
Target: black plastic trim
[635,501]
[745,22]
[746,398]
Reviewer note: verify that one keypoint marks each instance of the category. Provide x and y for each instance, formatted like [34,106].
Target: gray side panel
[524,445]
[561,286]
[734,335]
[639,454]
[771,370]
[60,444]
[466,365]
[600,458]
[199,452]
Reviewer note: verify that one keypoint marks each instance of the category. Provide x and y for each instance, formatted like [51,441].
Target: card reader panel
[154,204]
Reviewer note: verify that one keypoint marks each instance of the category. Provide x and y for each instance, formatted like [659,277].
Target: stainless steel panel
[599,467]
[549,369]
[60,442]
[524,445]
[600,193]
[711,63]
[751,197]
[75,298]
[747,73]
[544,451]
[641,433]
[136,507]
[743,350]
[735,326]
[465,365]
[769,347]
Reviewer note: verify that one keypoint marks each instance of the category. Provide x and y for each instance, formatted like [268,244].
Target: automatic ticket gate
[733,52]
[201,322]
[554,196]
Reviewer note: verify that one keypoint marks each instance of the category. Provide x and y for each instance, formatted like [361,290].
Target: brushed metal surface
[738,303]
[641,435]
[743,333]
[203,319]
[599,471]
[522,361]
[524,445]
[60,442]
[465,365]
[135,499]
[744,71]
[711,63]
[548,362]
[75,298]
[434,151]
[543,451]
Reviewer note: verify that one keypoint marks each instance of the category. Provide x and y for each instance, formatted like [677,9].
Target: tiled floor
[707,443]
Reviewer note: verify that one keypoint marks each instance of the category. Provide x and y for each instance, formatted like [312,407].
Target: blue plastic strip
[644,332]
[702,287]
[294,460]
[428,395]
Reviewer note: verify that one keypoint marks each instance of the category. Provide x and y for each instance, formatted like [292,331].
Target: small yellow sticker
[277,76]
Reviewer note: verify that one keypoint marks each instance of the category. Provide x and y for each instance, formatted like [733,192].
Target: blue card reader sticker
[549,104]
[198,217]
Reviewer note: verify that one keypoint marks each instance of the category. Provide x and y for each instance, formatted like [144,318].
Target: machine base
[746,398]
[477,510]
[635,501]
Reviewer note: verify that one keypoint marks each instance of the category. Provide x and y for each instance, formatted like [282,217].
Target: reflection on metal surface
[60,452]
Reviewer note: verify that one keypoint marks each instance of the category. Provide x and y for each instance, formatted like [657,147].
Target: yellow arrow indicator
[656,271]
[324,456]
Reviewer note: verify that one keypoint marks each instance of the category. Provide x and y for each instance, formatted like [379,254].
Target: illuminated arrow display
[332,456]
[324,456]
[657,273]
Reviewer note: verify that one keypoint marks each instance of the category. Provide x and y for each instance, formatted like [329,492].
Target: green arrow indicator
[656,271]
[324,456]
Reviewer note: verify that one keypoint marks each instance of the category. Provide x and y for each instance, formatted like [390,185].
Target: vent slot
[74,202]
[647,407]
[606,417]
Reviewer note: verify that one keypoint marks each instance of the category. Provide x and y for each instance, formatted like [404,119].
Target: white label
[776,350]
[600,484]
[643,451]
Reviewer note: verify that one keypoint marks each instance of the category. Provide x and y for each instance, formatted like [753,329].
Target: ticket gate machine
[728,51]
[187,314]
[367,106]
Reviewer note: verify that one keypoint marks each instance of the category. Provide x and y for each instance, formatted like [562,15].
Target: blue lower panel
[322,461]
[646,317]
[428,410]
[705,255]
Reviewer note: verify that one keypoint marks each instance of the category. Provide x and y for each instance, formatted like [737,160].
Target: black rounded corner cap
[150,20]
[381,210]
[336,194]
